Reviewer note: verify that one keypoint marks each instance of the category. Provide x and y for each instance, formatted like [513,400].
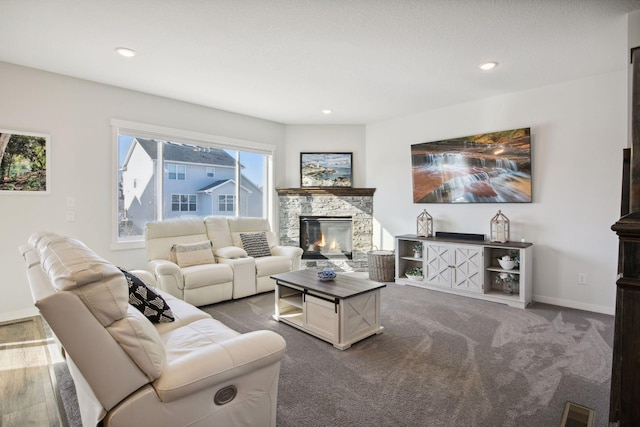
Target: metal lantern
[500,228]
[425,224]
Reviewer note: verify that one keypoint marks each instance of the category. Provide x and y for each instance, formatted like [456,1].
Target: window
[178,172]
[226,177]
[226,203]
[183,203]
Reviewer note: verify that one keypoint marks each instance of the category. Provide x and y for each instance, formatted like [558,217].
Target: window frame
[145,130]
[188,203]
[177,173]
[226,202]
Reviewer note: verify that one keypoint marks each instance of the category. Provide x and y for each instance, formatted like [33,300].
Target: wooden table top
[343,286]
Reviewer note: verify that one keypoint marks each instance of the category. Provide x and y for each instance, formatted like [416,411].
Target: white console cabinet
[467,267]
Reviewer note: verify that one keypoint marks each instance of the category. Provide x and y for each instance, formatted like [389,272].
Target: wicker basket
[381,266]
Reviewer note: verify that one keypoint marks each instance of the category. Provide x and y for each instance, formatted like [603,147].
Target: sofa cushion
[141,340]
[188,254]
[218,231]
[255,244]
[71,266]
[161,235]
[147,301]
[183,312]
[250,225]
[198,276]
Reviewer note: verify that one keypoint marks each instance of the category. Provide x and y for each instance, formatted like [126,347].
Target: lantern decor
[425,224]
[500,228]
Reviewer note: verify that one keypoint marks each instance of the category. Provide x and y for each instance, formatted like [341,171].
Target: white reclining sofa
[129,371]
[204,261]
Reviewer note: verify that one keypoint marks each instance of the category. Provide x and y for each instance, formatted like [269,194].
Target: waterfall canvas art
[484,168]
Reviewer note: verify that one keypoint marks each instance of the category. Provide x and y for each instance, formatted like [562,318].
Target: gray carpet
[442,360]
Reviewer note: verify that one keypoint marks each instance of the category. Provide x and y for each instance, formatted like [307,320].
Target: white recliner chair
[129,371]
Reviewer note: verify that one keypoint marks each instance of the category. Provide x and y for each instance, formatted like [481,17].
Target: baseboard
[577,305]
[19,314]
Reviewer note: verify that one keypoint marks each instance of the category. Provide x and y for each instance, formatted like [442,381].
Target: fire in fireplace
[325,237]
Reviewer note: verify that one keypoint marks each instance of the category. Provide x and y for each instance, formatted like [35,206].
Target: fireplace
[326,237]
[325,202]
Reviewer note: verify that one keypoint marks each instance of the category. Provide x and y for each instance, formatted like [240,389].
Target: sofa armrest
[230,252]
[288,251]
[168,276]
[244,275]
[291,252]
[218,363]
[147,277]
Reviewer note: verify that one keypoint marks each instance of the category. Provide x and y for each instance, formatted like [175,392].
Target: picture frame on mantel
[25,163]
[332,170]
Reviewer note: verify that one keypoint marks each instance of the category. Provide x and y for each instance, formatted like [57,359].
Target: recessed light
[126,52]
[327,112]
[488,66]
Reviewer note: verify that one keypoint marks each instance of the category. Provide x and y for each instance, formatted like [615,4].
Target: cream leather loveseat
[129,371]
[188,267]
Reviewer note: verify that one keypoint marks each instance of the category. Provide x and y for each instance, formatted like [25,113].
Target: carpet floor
[442,360]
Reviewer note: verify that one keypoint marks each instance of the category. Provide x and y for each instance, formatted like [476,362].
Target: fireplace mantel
[325,191]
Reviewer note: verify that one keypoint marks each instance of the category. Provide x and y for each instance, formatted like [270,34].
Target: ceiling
[286,60]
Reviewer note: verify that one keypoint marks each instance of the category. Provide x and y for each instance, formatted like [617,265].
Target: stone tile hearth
[354,202]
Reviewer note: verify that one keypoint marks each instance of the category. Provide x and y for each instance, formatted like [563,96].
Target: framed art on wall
[326,170]
[484,168]
[24,162]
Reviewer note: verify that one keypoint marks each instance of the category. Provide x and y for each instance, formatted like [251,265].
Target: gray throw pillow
[255,244]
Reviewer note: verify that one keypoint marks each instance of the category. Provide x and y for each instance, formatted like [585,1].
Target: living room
[579,129]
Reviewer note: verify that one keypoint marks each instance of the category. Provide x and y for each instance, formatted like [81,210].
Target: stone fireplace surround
[354,202]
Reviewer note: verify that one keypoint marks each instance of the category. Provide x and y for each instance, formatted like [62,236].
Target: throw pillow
[188,254]
[255,244]
[148,302]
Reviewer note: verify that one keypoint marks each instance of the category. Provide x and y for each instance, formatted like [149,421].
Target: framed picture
[326,170]
[24,162]
[484,168]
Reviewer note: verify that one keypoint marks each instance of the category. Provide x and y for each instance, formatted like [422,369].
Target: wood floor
[28,392]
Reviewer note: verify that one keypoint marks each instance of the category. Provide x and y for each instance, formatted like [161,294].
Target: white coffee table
[341,311]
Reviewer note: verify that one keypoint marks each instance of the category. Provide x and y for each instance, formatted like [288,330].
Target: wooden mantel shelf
[325,191]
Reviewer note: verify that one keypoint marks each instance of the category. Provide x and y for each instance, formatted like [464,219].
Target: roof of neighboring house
[215,184]
[177,152]
[219,183]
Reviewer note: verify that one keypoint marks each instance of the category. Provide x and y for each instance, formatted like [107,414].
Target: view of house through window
[160,179]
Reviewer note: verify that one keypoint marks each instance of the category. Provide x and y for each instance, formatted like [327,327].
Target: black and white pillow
[255,244]
[148,302]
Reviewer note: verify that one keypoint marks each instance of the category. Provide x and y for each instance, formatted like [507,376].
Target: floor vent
[577,416]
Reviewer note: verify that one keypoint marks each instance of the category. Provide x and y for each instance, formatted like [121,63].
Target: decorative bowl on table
[326,275]
[506,264]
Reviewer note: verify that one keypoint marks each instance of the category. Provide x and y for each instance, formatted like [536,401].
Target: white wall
[77,115]
[578,132]
[319,138]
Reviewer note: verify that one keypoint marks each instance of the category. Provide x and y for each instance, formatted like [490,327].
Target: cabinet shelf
[502,270]
[501,295]
[292,315]
[293,300]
